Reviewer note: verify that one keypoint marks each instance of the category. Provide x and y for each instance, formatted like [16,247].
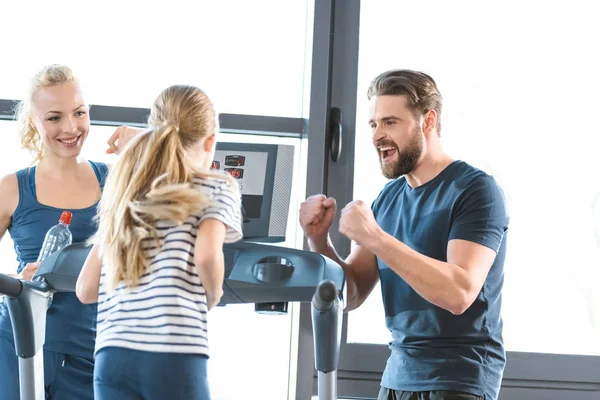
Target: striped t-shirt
[166,311]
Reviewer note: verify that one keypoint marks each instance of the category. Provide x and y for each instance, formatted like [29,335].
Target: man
[435,237]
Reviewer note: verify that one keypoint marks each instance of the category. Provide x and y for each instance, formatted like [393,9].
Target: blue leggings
[65,377]
[124,374]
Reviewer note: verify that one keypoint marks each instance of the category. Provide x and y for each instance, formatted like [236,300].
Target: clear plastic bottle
[57,237]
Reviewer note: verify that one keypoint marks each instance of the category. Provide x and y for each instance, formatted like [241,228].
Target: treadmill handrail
[10,286]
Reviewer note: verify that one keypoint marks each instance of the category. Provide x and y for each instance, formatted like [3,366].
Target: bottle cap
[66,217]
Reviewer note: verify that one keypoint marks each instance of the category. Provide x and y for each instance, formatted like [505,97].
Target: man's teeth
[385,151]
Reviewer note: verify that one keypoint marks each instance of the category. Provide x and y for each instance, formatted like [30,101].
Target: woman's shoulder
[101,169]
[9,184]
[9,192]
[99,165]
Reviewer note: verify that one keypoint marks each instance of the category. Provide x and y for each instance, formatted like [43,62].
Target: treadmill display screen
[235,161]
[237,173]
[249,168]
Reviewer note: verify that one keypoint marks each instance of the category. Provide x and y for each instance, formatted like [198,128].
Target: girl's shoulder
[215,180]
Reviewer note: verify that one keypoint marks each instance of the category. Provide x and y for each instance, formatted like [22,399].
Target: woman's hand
[119,139]
[29,270]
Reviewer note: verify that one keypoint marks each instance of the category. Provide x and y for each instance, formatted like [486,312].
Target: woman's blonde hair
[153,180]
[50,75]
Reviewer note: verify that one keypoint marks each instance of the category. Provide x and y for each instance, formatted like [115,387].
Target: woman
[54,124]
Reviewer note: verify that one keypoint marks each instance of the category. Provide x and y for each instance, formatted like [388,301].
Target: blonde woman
[157,266]
[54,124]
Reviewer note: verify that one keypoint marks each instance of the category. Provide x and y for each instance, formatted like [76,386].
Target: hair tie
[174,126]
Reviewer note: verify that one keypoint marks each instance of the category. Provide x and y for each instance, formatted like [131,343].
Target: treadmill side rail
[327,312]
[28,317]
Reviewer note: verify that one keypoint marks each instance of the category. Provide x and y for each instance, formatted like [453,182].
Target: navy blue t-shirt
[432,349]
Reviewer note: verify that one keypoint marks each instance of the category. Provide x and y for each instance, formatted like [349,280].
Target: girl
[157,264]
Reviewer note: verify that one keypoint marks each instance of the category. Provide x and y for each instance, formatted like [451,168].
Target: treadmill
[269,276]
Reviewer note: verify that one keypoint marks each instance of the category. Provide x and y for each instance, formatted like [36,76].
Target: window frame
[231,123]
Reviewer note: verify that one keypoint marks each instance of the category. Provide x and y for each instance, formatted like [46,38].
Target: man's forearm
[326,248]
[443,284]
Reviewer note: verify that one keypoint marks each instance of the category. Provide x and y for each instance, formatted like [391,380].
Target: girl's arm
[209,259]
[88,282]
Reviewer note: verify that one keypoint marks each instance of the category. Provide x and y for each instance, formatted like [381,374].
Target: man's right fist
[316,216]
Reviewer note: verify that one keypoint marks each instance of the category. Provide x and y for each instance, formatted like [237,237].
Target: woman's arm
[9,193]
[88,282]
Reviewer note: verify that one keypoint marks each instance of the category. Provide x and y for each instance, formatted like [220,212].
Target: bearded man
[435,238]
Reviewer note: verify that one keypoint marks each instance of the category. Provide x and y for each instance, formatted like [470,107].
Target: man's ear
[429,121]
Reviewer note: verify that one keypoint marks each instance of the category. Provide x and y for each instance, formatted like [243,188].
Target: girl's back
[166,311]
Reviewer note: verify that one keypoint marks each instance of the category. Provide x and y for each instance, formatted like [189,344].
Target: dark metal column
[331,131]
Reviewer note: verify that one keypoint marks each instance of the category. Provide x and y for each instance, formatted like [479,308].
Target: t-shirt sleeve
[481,215]
[377,202]
[225,206]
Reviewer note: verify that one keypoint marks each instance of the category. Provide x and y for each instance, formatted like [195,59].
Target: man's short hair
[419,88]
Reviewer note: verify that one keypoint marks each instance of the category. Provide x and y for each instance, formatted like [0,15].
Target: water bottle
[57,237]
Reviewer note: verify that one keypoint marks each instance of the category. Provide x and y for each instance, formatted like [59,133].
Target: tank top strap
[31,174]
[26,187]
[101,171]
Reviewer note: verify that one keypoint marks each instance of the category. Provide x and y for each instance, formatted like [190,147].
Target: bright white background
[249,56]
[520,84]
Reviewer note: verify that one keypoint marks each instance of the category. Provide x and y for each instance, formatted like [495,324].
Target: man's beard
[408,158]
